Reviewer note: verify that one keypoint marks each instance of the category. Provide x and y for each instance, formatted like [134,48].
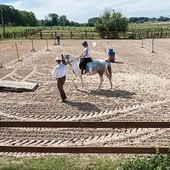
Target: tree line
[53,19]
[13,17]
[146,19]
[109,21]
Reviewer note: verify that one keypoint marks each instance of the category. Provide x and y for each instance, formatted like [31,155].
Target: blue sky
[81,10]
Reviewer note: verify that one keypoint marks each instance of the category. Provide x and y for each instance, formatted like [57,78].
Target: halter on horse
[102,67]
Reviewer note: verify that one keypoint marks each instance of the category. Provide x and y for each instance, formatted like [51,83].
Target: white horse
[102,67]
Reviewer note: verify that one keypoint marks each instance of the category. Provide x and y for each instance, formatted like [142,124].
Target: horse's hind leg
[110,79]
[82,84]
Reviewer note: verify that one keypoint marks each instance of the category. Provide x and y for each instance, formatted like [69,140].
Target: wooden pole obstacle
[16,47]
[33,49]
[153,43]
[47,50]
[142,42]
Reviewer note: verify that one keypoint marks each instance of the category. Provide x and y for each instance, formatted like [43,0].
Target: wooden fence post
[14,35]
[41,35]
[71,34]
[147,34]
[86,33]
[25,35]
[161,32]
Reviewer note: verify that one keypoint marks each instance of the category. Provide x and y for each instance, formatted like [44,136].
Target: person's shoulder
[56,66]
[63,65]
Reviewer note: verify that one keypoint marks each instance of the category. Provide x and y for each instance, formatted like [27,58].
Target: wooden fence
[89,34]
[84,149]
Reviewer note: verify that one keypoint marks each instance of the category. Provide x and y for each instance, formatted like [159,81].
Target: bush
[153,162]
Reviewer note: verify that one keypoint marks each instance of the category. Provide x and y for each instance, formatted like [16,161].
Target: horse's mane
[74,57]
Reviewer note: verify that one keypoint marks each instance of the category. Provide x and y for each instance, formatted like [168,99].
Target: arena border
[84,124]
[91,149]
[101,150]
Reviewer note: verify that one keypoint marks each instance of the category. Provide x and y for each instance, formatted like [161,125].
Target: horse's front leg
[73,80]
[101,81]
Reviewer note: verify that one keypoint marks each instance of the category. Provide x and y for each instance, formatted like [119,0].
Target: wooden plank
[70,124]
[18,85]
[111,150]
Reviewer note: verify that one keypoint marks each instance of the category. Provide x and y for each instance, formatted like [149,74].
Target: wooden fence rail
[109,150]
[76,34]
[70,124]
[76,149]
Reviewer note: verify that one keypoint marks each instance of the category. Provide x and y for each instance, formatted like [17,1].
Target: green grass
[150,162]
[73,28]
[69,32]
[149,25]
[58,163]
[17,29]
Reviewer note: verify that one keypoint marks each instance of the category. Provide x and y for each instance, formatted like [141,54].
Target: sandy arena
[141,92]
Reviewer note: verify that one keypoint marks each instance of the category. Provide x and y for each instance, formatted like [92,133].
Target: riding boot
[81,71]
[87,70]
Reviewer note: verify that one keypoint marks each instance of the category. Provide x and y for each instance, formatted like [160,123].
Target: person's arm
[53,72]
[85,52]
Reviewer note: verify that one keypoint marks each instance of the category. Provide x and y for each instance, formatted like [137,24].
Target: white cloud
[81,11]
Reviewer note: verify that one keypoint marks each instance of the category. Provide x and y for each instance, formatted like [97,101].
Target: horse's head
[68,58]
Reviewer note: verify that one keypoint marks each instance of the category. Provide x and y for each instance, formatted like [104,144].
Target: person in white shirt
[59,72]
[85,57]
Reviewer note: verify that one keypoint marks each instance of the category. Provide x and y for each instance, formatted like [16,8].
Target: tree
[91,21]
[14,17]
[11,16]
[161,18]
[111,21]
[28,18]
[54,19]
[63,20]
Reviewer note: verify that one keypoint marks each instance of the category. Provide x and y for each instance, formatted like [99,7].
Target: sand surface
[141,92]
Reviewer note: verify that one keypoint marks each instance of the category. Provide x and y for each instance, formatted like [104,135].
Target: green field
[148,30]
[18,29]
[24,29]
[149,25]
[158,25]
[77,162]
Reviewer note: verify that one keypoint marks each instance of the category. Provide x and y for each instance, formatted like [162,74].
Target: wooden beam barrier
[71,124]
[111,150]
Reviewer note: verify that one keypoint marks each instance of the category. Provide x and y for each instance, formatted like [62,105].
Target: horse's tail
[109,69]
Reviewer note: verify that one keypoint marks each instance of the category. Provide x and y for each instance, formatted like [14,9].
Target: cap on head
[84,43]
[58,59]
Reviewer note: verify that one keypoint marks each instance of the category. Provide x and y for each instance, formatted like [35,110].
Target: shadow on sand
[111,93]
[84,106]
[118,62]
